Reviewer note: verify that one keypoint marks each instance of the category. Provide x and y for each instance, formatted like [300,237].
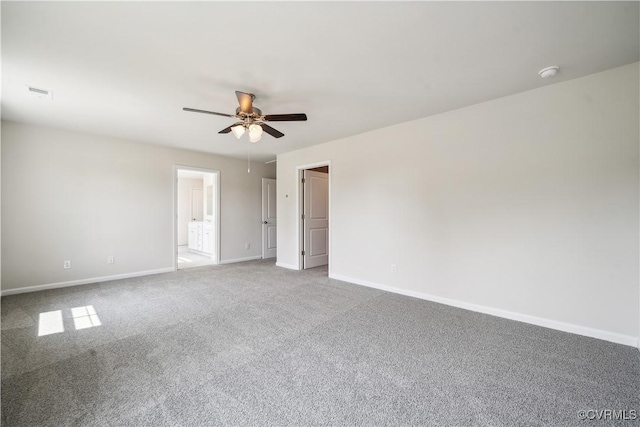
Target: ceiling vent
[40,93]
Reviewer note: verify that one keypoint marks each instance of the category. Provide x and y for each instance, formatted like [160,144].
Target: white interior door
[316,219]
[269,218]
[196,204]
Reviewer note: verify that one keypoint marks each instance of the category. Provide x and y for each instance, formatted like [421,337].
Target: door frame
[216,210]
[300,209]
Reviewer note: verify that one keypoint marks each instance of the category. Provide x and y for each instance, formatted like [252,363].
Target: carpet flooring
[252,344]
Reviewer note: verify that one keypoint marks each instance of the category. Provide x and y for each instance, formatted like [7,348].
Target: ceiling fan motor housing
[254,111]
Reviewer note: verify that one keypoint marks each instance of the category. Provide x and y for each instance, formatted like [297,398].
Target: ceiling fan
[252,119]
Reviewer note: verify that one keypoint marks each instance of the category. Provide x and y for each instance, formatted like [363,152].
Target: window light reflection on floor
[85,317]
[180,259]
[50,323]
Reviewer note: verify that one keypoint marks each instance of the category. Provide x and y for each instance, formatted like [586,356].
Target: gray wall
[68,195]
[525,206]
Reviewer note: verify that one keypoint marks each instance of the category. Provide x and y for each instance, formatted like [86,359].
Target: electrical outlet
[394,268]
[111,260]
[67,265]
[247,245]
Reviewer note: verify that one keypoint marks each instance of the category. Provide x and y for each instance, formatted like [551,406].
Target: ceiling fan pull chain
[248,158]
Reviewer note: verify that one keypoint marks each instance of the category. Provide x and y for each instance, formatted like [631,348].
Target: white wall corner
[288,266]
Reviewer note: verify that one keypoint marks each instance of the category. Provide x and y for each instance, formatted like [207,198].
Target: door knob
[265,222]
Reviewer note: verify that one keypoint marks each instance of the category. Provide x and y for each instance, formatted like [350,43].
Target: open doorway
[197,218]
[314,198]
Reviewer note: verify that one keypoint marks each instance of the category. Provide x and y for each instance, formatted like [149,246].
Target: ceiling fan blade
[228,129]
[285,117]
[245,100]
[193,110]
[271,131]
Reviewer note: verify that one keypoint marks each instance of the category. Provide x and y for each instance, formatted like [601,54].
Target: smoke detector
[549,72]
[39,93]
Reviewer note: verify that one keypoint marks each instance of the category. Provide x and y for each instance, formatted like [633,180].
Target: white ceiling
[126,69]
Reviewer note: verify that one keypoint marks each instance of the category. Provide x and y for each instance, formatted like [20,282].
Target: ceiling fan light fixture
[251,119]
[238,131]
[255,133]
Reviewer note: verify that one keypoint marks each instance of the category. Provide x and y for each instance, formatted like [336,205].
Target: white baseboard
[249,258]
[539,321]
[289,266]
[84,281]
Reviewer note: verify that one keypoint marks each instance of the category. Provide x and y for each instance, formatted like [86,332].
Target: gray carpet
[254,344]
